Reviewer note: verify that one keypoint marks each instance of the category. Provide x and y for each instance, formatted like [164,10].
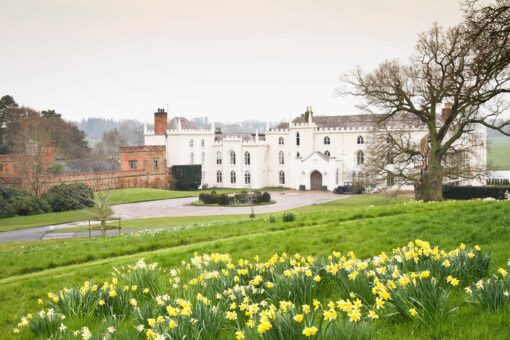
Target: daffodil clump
[285,297]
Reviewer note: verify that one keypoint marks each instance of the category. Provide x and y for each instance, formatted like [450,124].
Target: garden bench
[103,225]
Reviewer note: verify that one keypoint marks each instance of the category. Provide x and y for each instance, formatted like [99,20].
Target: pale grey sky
[225,59]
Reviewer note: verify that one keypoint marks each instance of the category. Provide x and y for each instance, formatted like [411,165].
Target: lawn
[366,224]
[119,196]
[497,153]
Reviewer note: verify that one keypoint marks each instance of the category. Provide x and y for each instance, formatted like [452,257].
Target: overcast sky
[228,60]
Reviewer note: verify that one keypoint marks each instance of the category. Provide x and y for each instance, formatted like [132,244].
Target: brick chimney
[446,111]
[160,122]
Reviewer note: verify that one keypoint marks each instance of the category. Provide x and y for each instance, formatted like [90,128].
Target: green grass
[23,222]
[366,224]
[497,153]
[119,196]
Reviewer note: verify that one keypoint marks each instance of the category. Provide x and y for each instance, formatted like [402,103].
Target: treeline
[22,129]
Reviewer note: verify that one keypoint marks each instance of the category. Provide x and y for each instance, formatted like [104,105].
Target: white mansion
[315,152]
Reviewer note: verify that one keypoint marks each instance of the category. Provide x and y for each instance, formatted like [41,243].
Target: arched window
[191,158]
[281,141]
[360,140]
[298,155]
[361,157]
[202,143]
[298,138]
[191,143]
[281,157]
[232,177]
[281,177]
[203,158]
[327,141]
[247,158]
[219,176]
[327,153]
[232,157]
[218,158]
[247,177]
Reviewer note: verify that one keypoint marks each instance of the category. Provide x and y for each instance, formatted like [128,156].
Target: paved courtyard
[174,208]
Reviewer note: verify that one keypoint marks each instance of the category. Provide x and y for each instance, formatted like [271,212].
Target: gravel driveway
[182,206]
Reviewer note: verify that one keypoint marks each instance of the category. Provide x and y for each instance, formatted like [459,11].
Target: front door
[316,180]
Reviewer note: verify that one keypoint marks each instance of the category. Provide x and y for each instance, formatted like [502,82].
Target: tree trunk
[430,186]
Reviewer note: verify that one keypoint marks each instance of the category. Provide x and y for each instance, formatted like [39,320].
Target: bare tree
[466,67]
[35,151]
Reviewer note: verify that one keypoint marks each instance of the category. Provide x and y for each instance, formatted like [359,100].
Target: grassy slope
[323,228]
[497,153]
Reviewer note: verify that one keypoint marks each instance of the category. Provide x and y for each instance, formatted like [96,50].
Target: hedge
[242,198]
[18,202]
[470,192]
[69,197]
[187,177]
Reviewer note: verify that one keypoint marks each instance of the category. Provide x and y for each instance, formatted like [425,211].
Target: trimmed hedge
[241,198]
[69,197]
[187,177]
[18,202]
[470,192]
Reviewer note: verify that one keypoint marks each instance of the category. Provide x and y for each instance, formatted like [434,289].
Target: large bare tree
[465,67]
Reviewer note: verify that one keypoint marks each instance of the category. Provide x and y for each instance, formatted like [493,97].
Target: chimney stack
[446,111]
[160,122]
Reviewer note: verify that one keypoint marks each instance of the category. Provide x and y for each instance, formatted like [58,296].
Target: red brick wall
[145,157]
[160,122]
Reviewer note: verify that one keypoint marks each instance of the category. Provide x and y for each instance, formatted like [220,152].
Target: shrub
[65,197]
[266,197]
[272,219]
[288,217]
[223,200]
[187,177]
[18,202]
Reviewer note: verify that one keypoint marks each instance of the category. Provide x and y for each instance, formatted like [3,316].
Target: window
[191,143]
[281,157]
[202,158]
[133,164]
[219,176]
[247,177]
[202,143]
[282,177]
[218,158]
[360,158]
[298,155]
[232,157]
[327,153]
[360,140]
[191,158]
[232,177]
[155,162]
[281,141]
[247,158]
[298,139]
[327,141]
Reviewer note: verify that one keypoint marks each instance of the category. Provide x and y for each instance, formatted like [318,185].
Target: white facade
[302,154]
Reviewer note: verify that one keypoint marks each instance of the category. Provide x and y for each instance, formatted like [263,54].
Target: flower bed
[285,297]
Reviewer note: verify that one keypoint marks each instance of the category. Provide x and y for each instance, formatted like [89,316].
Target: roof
[185,124]
[76,166]
[246,137]
[348,121]
[320,154]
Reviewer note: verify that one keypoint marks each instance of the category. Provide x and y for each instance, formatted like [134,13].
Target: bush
[65,197]
[18,202]
[223,200]
[187,177]
[288,217]
[469,192]
[266,197]
[272,219]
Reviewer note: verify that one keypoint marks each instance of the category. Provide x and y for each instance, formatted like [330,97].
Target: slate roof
[76,166]
[185,124]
